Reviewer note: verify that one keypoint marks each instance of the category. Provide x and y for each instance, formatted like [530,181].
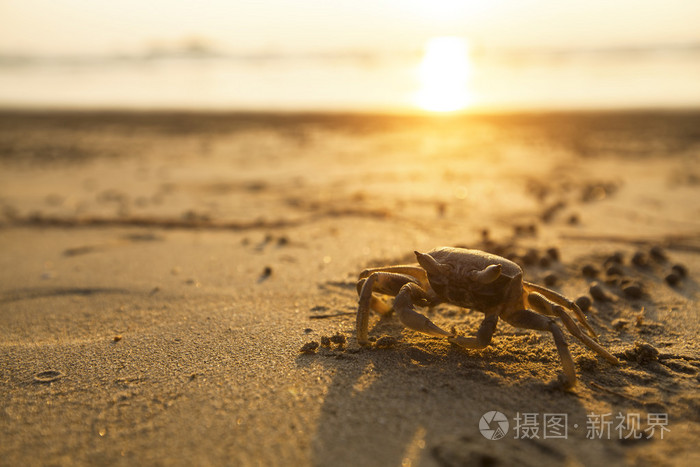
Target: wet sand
[160,274]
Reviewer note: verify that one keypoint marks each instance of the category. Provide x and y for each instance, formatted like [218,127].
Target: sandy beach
[161,272]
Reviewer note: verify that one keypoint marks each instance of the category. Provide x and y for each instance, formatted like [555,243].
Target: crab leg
[483,335]
[543,305]
[414,272]
[563,301]
[530,320]
[375,303]
[389,283]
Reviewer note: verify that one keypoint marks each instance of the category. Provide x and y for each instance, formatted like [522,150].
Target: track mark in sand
[126,239]
[333,315]
[48,376]
[335,285]
[333,308]
[27,294]
[198,223]
[82,250]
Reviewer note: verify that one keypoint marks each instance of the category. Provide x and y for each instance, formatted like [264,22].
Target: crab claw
[486,275]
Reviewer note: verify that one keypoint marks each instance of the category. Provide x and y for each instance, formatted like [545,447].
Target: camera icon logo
[493,425]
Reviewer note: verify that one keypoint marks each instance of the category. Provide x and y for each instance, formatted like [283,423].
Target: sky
[47,27]
[436,55]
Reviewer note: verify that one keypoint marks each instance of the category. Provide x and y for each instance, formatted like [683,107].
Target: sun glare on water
[444,75]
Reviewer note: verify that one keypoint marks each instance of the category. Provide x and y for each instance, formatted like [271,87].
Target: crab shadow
[423,402]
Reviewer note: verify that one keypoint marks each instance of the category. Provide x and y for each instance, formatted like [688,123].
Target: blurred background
[381,55]
[170,264]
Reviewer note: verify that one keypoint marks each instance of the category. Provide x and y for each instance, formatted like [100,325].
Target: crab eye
[487,275]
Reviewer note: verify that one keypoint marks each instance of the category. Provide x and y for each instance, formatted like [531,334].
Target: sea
[653,77]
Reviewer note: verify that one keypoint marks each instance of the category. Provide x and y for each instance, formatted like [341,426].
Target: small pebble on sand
[640,259]
[338,338]
[641,353]
[589,270]
[309,348]
[615,258]
[550,279]
[680,269]
[584,303]
[658,254]
[673,278]
[633,291]
[614,270]
[385,342]
[553,253]
[598,292]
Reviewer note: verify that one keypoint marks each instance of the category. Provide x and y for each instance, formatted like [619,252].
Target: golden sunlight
[444,74]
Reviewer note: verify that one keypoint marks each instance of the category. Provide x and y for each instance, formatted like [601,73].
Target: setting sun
[444,74]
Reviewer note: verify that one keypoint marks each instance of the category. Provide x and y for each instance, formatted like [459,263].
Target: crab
[476,280]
